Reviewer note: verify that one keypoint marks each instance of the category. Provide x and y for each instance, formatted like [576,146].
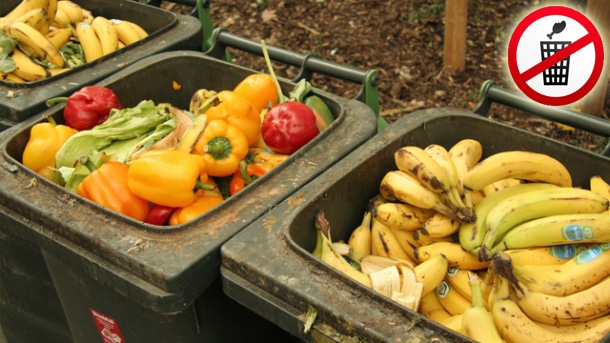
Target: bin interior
[342,193]
[167,31]
[171,265]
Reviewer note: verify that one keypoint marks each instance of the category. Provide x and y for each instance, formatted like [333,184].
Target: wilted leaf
[268,15]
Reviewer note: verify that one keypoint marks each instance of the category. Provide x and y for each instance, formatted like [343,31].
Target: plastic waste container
[118,278]
[167,31]
[285,286]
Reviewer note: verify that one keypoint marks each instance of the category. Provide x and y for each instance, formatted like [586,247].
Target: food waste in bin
[41,39]
[501,248]
[161,165]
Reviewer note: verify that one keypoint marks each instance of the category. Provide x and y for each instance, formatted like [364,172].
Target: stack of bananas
[42,27]
[527,258]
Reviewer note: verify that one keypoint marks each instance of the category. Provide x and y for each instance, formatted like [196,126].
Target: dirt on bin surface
[403,39]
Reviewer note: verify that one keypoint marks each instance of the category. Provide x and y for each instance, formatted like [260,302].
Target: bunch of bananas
[42,27]
[526,253]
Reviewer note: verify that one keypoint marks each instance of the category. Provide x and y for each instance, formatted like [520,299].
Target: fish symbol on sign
[557,28]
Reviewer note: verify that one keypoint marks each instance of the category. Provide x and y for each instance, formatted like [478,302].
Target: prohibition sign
[590,38]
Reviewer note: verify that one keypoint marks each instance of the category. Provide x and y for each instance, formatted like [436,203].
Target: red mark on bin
[108,328]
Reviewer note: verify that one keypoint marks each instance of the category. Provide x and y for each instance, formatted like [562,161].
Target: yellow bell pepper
[194,210]
[222,146]
[239,112]
[167,177]
[45,140]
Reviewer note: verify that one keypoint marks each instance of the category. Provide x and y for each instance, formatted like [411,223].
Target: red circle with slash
[591,37]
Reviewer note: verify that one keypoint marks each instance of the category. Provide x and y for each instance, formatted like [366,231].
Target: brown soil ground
[404,41]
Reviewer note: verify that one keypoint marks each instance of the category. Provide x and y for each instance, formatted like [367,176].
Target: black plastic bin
[269,264]
[160,284]
[167,31]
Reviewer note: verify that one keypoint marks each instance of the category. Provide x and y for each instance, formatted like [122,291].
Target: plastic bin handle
[490,93]
[308,64]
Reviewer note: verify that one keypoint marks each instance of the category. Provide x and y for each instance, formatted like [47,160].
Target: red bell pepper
[87,107]
[159,214]
[288,126]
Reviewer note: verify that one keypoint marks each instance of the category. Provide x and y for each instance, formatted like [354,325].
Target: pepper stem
[57,100]
[50,119]
[243,170]
[203,186]
[281,98]
[218,147]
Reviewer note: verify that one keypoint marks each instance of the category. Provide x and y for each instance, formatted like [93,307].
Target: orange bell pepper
[45,140]
[246,174]
[194,210]
[222,146]
[259,90]
[238,112]
[107,186]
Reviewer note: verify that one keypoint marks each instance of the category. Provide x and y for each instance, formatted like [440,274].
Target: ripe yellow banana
[105,32]
[57,71]
[440,225]
[457,256]
[558,230]
[26,69]
[515,326]
[545,255]
[417,162]
[61,19]
[59,37]
[89,41]
[465,155]
[422,239]
[200,97]
[401,215]
[23,7]
[459,280]
[263,155]
[498,185]
[34,42]
[471,235]
[521,208]
[579,273]
[407,242]
[431,308]
[11,77]
[125,32]
[431,272]
[598,185]
[72,9]
[477,322]
[451,300]
[402,186]
[51,10]
[585,305]
[454,323]
[385,243]
[138,29]
[329,256]
[36,18]
[360,238]
[524,165]
[441,156]
[87,16]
